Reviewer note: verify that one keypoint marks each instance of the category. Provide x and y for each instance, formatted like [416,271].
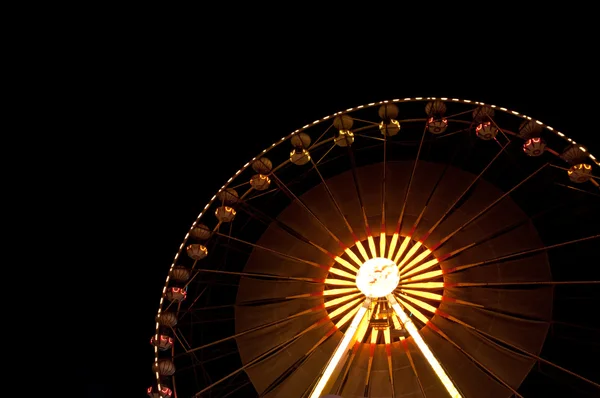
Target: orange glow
[353,256]
[346,264]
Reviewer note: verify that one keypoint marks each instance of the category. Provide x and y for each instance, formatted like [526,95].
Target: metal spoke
[405,200]
[278,253]
[335,203]
[382,236]
[362,205]
[515,348]
[490,206]
[412,364]
[475,361]
[303,205]
[254,329]
[265,355]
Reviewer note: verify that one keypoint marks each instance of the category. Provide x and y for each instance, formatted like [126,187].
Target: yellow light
[382,242]
[421,267]
[374,335]
[420,303]
[386,335]
[426,275]
[418,314]
[377,277]
[417,259]
[427,295]
[396,322]
[353,256]
[344,308]
[340,272]
[338,282]
[333,292]
[346,318]
[424,285]
[372,246]
[339,300]
[346,264]
[402,248]
[362,250]
[408,256]
[433,362]
[393,245]
[340,350]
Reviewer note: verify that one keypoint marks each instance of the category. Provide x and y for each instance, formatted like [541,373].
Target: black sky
[170,127]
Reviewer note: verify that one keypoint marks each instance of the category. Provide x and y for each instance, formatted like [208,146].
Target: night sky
[173,129]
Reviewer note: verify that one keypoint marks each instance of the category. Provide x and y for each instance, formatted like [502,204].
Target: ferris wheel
[413,247]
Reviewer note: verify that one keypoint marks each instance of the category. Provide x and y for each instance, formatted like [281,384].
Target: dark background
[172,122]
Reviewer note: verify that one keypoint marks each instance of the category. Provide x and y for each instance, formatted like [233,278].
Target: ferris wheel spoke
[404,343]
[333,367]
[383,233]
[372,344]
[278,253]
[254,329]
[272,351]
[414,333]
[314,144]
[362,208]
[487,208]
[407,272]
[428,201]
[405,200]
[335,203]
[492,338]
[519,253]
[299,362]
[261,275]
[487,370]
[253,211]
[249,198]
[578,189]
[282,185]
[425,266]
[462,195]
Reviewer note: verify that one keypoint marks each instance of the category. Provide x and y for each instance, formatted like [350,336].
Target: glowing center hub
[377,277]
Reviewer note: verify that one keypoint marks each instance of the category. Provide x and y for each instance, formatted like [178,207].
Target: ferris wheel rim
[289,136]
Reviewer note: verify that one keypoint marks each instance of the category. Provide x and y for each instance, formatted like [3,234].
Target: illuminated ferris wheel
[406,248]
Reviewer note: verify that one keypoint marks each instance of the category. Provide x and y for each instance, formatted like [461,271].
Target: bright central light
[377,277]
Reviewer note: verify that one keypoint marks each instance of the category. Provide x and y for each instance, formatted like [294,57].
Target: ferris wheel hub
[377,277]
